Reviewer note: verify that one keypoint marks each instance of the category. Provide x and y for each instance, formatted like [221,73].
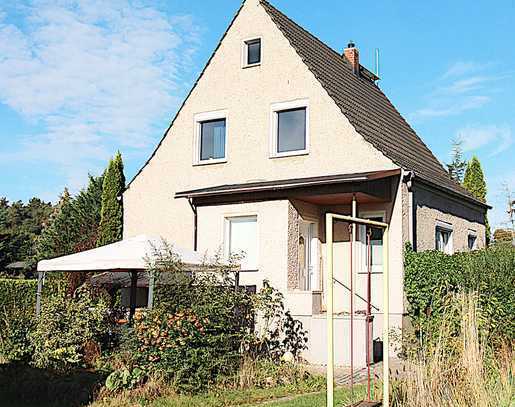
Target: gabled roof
[366,106]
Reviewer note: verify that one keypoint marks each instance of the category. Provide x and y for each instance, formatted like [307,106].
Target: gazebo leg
[134,282]
[38,293]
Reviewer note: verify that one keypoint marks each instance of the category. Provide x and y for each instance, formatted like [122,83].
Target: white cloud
[461,88]
[495,138]
[95,75]
[443,108]
[461,68]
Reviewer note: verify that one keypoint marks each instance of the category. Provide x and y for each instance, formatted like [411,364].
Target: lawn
[286,396]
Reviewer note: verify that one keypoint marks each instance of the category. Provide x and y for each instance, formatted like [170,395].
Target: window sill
[251,65]
[248,270]
[290,154]
[210,162]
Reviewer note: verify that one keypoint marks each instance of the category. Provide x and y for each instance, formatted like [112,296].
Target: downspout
[195,223]
[408,178]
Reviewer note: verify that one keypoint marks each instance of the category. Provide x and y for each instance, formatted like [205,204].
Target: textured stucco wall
[247,96]
[433,206]
[272,226]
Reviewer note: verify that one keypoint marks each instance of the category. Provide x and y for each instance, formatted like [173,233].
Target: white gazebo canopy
[128,254]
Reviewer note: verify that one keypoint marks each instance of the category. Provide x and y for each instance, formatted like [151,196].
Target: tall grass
[458,368]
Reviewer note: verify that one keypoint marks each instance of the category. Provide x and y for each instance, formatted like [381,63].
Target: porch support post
[329,300]
[386,320]
[38,293]
[134,282]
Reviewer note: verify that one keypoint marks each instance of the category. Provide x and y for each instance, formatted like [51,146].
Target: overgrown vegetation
[431,278]
[459,367]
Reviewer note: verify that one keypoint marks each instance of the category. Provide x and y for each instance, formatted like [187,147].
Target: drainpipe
[408,177]
[352,274]
[195,222]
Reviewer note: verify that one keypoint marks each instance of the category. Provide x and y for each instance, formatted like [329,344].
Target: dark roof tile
[366,106]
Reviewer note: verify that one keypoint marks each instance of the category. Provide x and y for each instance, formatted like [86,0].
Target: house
[278,130]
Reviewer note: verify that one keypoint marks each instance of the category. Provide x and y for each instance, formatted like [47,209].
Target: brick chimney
[352,55]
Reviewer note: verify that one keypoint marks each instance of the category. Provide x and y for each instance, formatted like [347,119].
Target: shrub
[432,277]
[278,331]
[18,316]
[67,328]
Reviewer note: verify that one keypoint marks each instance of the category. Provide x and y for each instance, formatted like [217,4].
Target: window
[289,129]
[210,138]
[241,238]
[443,237]
[472,241]
[251,52]
[376,244]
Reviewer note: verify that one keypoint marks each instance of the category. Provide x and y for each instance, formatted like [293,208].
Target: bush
[69,331]
[278,333]
[432,277]
[18,316]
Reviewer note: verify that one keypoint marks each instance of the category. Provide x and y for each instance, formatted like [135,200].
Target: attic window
[290,128]
[251,52]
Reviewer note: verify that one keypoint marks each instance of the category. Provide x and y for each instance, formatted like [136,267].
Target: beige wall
[247,95]
[272,226]
[433,206]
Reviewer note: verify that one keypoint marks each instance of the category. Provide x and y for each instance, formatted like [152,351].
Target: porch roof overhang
[130,254]
[331,189]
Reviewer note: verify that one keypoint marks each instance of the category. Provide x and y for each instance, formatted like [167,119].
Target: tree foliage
[20,225]
[111,222]
[74,223]
[474,182]
[458,165]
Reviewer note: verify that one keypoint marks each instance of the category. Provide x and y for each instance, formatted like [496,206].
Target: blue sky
[80,79]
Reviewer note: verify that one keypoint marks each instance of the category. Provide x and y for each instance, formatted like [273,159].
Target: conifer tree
[111,214]
[458,165]
[474,182]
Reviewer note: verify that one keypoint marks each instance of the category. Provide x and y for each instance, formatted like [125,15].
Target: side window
[210,138]
[241,238]
[472,240]
[443,237]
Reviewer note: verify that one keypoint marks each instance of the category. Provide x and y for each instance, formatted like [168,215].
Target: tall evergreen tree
[474,182]
[458,165]
[111,215]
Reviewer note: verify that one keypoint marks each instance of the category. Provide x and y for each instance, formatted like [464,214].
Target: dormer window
[251,52]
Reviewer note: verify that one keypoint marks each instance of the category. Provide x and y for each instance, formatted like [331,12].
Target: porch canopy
[125,260]
[375,186]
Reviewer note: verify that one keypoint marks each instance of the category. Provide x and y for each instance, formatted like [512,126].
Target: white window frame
[472,233]
[227,235]
[274,110]
[197,123]
[245,52]
[363,252]
[448,228]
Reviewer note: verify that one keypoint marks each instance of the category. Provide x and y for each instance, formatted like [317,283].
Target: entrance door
[308,255]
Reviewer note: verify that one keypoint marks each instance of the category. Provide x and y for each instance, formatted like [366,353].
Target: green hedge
[430,277]
[18,314]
